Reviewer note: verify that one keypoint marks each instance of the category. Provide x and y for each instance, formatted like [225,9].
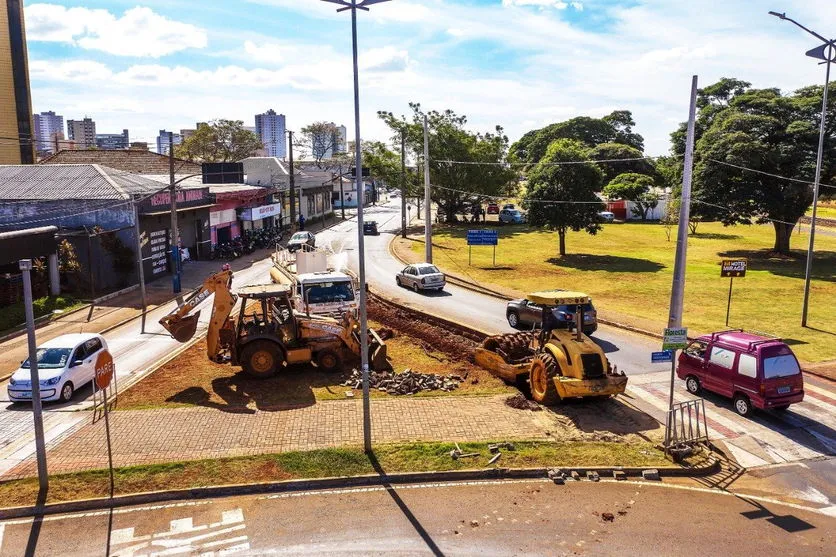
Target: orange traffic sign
[104,370]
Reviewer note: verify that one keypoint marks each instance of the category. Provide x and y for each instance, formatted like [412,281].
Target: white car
[606,216]
[421,276]
[65,363]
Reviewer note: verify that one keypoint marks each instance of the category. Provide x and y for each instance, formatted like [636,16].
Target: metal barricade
[686,424]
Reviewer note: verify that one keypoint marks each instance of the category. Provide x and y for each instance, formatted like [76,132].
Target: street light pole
[827,53]
[354,5]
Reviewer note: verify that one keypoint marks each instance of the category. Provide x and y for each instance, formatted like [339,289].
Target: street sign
[675,339]
[660,357]
[482,237]
[104,370]
[731,268]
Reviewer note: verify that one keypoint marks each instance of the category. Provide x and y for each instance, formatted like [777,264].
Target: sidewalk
[171,435]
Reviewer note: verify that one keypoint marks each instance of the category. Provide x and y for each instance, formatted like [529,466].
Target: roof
[68,341]
[186,181]
[323,276]
[137,161]
[264,290]
[557,297]
[71,181]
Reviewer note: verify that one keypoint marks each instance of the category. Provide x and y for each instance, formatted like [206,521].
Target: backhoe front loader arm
[182,324]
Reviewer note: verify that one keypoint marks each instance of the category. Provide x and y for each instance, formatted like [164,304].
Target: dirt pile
[407,382]
[519,402]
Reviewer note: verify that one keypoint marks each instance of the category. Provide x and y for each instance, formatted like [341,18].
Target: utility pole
[25,266]
[342,195]
[139,265]
[175,236]
[404,224]
[291,180]
[678,286]
[428,229]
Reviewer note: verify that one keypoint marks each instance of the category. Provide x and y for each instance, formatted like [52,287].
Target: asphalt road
[529,517]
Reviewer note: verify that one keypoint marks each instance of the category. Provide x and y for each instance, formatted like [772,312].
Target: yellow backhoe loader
[267,334]
[556,362]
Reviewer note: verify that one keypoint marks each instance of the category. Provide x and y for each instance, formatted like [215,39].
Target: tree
[613,128]
[575,183]
[628,159]
[479,168]
[773,134]
[320,141]
[219,141]
[636,188]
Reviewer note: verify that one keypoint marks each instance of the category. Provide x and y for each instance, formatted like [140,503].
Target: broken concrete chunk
[651,474]
[576,476]
[619,475]
[592,476]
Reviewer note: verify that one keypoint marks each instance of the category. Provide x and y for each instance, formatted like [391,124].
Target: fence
[686,424]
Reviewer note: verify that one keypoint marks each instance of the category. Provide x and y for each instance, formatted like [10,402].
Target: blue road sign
[482,237]
[663,356]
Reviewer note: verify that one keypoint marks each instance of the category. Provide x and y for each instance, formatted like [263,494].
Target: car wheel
[692,384]
[66,392]
[415,287]
[398,281]
[513,320]
[742,405]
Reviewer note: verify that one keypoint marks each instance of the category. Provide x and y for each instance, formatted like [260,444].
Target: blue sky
[148,65]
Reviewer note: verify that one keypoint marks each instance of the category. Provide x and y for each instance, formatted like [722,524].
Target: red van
[752,370]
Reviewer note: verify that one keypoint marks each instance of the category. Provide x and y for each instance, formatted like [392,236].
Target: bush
[14,315]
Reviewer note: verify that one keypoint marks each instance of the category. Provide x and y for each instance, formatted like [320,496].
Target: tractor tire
[543,371]
[261,359]
[329,361]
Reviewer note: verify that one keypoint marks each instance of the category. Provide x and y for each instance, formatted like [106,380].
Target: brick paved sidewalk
[166,435]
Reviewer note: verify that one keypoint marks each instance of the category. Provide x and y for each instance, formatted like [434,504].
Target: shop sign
[158,242]
[185,199]
[256,213]
[221,217]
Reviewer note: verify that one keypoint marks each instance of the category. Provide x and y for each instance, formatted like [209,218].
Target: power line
[558,163]
[806,182]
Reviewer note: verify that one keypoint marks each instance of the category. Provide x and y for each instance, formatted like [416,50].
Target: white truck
[317,287]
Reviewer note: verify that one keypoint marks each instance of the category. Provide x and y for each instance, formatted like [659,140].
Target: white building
[270,129]
[49,127]
[162,141]
[83,132]
[341,140]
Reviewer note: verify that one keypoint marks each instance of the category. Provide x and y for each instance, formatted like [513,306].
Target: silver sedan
[421,276]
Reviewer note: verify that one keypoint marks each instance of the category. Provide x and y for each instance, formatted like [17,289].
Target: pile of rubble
[407,382]
[519,402]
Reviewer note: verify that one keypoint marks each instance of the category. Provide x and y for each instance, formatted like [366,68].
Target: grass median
[628,268]
[352,461]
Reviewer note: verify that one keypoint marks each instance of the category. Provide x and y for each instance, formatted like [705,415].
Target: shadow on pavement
[605,345]
[419,528]
[608,415]
[787,522]
[37,524]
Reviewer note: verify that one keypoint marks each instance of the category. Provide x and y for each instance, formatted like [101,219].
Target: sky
[148,65]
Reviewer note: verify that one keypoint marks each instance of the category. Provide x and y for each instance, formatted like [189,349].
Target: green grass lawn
[13,316]
[825,210]
[628,268]
[347,461]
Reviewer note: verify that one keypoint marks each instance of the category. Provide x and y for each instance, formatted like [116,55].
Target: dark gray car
[522,314]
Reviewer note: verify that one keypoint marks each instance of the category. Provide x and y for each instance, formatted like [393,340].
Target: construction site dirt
[416,344]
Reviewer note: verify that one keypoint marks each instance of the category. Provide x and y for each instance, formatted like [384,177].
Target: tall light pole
[827,53]
[354,5]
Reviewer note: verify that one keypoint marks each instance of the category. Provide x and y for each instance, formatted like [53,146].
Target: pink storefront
[229,200]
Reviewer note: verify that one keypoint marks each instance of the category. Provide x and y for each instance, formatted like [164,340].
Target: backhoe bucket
[182,329]
[377,352]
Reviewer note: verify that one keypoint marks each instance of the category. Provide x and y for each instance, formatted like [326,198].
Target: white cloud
[270,53]
[557,4]
[138,32]
[386,59]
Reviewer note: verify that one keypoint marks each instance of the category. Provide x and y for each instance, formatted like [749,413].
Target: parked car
[65,364]
[370,228]
[301,239]
[753,370]
[606,216]
[511,216]
[522,314]
[493,208]
[421,276]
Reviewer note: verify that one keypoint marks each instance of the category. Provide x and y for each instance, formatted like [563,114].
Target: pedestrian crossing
[807,430]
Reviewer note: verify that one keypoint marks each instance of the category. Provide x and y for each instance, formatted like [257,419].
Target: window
[428,270]
[328,292]
[780,366]
[722,357]
[697,350]
[49,358]
[747,366]
[92,346]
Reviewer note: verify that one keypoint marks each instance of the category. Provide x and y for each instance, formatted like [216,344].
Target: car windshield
[327,292]
[512,212]
[428,270]
[50,358]
[299,237]
[783,365]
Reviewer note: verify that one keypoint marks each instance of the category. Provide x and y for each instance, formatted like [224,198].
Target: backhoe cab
[267,334]
[558,362]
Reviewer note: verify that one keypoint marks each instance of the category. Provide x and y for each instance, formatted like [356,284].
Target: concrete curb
[290,486]
[458,281]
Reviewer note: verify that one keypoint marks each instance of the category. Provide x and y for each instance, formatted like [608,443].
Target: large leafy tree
[219,141]
[768,132]
[618,158]
[320,142]
[478,166]
[616,127]
[550,184]
[384,164]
